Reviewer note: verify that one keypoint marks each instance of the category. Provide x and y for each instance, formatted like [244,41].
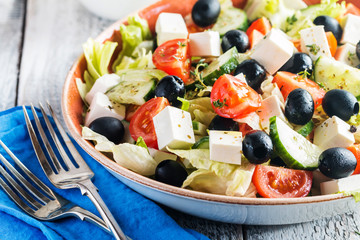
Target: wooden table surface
[39,41]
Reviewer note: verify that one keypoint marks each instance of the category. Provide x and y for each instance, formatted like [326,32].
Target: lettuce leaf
[216,177]
[102,144]
[130,156]
[135,158]
[142,61]
[304,18]
[132,35]
[201,110]
[98,56]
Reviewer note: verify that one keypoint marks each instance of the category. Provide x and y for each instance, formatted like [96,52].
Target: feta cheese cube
[347,54]
[225,146]
[295,4]
[273,51]
[102,84]
[351,29]
[314,42]
[334,132]
[271,106]
[350,183]
[173,128]
[205,44]
[102,107]
[170,26]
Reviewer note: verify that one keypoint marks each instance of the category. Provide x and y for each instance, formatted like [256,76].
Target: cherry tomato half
[173,58]
[141,124]
[232,98]
[279,182]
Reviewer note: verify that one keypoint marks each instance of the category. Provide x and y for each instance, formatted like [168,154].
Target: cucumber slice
[132,92]
[202,143]
[199,128]
[306,129]
[225,64]
[333,74]
[231,18]
[295,150]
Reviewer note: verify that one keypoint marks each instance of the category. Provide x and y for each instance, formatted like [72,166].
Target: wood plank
[342,226]
[11,25]
[55,31]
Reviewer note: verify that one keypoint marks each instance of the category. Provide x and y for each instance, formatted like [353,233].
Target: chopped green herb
[291,20]
[313,48]
[181,44]
[199,86]
[219,104]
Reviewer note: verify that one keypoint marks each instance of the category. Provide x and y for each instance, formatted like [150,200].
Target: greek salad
[258,101]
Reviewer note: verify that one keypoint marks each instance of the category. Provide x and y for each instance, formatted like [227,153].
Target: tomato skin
[173,58]
[142,125]
[279,182]
[355,149]
[255,37]
[287,82]
[262,25]
[235,97]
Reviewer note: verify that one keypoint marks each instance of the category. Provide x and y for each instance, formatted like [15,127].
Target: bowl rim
[148,182]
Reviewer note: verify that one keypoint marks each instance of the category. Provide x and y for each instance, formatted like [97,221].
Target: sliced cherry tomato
[355,149]
[141,124]
[279,182]
[262,25]
[287,82]
[332,42]
[255,37]
[232,98]
[173,58]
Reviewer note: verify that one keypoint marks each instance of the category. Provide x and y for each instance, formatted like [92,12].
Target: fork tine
[35,204]
[46,142]
[16,198]
[56,140]
[29,186]
[76,155]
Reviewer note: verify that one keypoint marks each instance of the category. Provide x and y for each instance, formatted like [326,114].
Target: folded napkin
[139,217]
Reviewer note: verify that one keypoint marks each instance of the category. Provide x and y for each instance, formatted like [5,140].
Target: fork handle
[89,189]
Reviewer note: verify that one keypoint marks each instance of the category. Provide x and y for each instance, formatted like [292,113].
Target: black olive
[170,172]
[337,163]
[358,49]
[223,124]
[111,128]
[340,103]
[155,45]
[277,161]
[299,62]
[171,87]
[205,12]
[299,107]
[254,73]
[235,38]
[257,147]
[330,25]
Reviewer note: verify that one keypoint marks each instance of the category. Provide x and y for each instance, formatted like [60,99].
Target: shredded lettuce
[216,177]
[304,18]
[142,61]
[135,158]
[185,104]
[98,56]
[132,35]
[201,110]
[102,144]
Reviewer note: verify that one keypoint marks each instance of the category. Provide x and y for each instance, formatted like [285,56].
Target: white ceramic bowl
[254,211]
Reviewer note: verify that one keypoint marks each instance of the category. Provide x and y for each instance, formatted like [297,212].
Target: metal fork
[46,207]
[70,176]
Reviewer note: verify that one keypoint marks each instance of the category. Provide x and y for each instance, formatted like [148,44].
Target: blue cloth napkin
[139,217]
